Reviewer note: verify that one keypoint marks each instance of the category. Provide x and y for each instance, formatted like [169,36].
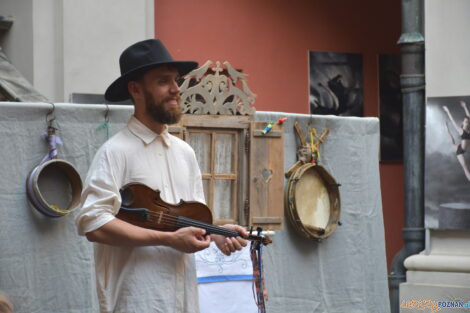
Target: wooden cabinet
[242,169]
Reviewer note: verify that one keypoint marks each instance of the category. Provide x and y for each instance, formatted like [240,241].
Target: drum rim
[292,212]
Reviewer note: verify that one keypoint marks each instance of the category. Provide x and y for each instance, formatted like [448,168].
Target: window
[242,169]
[217,154]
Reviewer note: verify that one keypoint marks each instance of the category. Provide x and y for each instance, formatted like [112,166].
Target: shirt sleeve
[100,199]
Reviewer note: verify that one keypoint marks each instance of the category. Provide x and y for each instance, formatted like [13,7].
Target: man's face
[161,93]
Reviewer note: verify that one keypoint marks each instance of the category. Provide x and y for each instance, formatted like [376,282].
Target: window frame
[217,124]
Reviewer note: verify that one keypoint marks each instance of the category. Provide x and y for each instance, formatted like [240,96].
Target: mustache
[170,98]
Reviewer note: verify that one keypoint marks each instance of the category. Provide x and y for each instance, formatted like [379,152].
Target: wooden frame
[214,126]
[216,100]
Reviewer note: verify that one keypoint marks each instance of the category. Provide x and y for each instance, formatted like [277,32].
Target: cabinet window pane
[201,143]
[223,199]
[205,186]
[224,146]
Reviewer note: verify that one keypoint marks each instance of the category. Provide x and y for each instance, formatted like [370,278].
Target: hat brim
[118,91]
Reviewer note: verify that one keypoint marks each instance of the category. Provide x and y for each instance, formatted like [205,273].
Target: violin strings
[191,222]
[184,221]
[212,228]
[171,220]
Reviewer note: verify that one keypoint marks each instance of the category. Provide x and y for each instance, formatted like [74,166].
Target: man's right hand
[189,239]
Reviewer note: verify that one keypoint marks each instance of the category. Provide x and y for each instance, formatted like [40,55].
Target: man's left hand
[230,244]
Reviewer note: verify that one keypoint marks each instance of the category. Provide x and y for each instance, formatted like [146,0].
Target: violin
[143,207]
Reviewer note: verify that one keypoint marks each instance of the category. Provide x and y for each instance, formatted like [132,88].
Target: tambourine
[54,188]
[312,201]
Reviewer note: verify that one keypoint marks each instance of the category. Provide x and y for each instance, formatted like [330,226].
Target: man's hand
[189,239]
[230,244]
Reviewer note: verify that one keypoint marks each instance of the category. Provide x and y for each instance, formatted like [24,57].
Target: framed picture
[391,109]
[336,84]
[447,163]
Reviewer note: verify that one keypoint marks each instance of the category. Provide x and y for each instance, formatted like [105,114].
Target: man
[141,270]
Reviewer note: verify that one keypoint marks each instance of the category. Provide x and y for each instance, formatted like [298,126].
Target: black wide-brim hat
[139,58]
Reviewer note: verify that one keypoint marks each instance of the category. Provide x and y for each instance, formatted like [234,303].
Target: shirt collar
[145,134]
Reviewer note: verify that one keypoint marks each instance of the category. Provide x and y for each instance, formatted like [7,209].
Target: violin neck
[210,228]
[161,221]
[214,229]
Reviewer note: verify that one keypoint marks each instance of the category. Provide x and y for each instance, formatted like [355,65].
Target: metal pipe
[412,82]
[64,106]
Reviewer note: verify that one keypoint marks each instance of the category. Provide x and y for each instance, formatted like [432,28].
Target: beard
[159,112]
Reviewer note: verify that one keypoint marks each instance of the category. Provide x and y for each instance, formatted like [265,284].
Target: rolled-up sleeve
[100,199]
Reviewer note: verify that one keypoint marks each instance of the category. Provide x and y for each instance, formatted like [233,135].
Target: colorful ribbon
[104,125]
[52,141]
[270,126]
[259,291]
[315,143]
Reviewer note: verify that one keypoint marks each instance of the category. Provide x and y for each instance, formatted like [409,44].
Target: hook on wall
[105,124]
[106,113]
[50,116]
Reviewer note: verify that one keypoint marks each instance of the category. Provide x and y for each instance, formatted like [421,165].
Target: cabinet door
[266,177]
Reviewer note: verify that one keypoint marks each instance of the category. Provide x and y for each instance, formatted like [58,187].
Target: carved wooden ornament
[212,89]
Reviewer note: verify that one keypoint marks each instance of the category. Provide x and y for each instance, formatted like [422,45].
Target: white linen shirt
[141,279]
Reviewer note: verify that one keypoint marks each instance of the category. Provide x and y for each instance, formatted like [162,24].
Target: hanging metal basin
[54,188]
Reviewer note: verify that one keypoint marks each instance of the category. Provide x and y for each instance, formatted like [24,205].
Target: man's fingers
[235,244]
[198,231]
[242,241]
[202,240]
[228,245]
[207,239]
[241,230]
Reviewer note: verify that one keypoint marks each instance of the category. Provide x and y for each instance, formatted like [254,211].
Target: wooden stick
[299,133]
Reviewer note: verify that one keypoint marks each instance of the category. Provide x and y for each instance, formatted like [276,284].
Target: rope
[315,143]
[52,142]
[105,124]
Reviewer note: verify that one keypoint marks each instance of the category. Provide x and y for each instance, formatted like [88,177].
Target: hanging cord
[52,139]
[315,143]
[259,292]
[105,124]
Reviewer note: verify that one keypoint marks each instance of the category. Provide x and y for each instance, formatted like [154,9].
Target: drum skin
[312,201]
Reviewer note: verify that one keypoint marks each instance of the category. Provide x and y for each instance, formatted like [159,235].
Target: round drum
[54,188]
[312,201]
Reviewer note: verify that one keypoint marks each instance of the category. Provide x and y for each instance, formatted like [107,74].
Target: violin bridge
[160,217]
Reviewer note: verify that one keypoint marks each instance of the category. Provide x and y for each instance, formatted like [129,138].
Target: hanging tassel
[104,125]
[259,291]
[52,142]
[315,143]
[314,146]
